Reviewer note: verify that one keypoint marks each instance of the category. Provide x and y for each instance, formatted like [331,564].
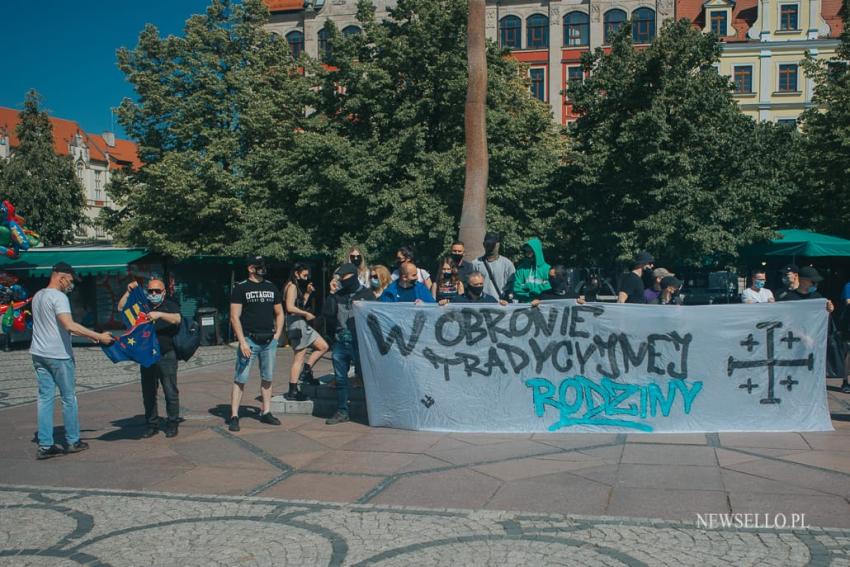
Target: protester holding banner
[256,315]
[498,271]
[559,288]
[407,288]
[53,360]
[296,294]
[631,284]
[670,287]
[339,311]
[448,285]
[474,292]
[757,293]
[650,294]
[379,279]
[165,315]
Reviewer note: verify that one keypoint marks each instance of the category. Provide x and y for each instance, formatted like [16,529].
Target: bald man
[407,288]
[165,315]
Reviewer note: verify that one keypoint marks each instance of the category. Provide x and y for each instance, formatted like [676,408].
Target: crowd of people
[260,313]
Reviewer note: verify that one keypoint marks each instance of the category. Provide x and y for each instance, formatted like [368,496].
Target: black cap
[671,281]
[643,257]
[64,268]
[810,273]
[790,268]
[347,268]
[256,261]
[492,237]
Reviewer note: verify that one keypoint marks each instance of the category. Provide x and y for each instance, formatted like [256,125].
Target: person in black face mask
[474,292]
[358,258]
[464,268]
[296,298]
[339,312]
[448,285]
[560,287]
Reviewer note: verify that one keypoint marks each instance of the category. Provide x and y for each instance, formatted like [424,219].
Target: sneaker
[150,432]
[234,424]
[171,429]
[297,396]
[338,417]
[269,419]
[845,388]
[307,376]
[77,447]
[47,452]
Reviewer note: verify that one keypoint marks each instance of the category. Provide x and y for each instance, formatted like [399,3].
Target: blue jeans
[264,353]
[52,373]
[344,354]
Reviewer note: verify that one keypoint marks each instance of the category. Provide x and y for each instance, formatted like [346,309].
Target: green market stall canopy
[796,242]
[86,261]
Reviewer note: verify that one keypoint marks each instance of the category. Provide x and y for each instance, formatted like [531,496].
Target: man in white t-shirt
[757,293]
[53,360]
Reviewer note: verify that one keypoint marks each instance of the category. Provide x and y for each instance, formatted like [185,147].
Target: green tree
[40,184]
[822,204]
[396,93]
[664,160]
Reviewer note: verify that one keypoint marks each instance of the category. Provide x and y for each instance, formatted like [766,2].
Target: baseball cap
[792,268]
[347,268]
[64,268]
[492,237]
[256,261]
[671,281]
[661,273]
[810,273]
[643,257]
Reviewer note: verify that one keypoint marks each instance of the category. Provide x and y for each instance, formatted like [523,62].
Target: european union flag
[136,304]
[139,344]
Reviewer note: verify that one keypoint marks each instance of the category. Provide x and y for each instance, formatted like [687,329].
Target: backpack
[188,338]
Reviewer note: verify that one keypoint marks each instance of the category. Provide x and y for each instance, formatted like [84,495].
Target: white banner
[595,367]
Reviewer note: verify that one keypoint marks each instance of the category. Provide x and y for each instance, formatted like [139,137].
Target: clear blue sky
[66,51]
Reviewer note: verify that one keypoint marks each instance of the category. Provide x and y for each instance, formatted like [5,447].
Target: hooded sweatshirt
[532,274]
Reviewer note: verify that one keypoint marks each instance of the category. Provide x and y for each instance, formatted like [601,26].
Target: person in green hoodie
[532,273]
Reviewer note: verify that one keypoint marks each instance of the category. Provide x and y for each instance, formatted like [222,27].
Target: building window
[98,189]
[788,17]
[787,122]
[613,21]
[788,78]
[576,29]
[743,77]
[717,19]
[510,32]
[296,43]
[643,25]
[324,44]
[575,75]
[351,31]
[537,29]
[538,83]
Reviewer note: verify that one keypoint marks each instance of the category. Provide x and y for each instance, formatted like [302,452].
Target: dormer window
[789,17]
[718,21]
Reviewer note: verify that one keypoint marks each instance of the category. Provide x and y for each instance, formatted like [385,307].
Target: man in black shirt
[165,315]
[474,292]
[805,286]
[256,315]
[631,285]
[464,268]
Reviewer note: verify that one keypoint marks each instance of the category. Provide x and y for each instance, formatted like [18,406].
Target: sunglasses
[156,290]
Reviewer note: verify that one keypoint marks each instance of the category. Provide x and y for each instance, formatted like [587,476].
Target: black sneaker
[77,447]
[234,424]
[269,419]
[338,417]
[307,376]
[150,432]
[297,396]
[171,429]
[48,452]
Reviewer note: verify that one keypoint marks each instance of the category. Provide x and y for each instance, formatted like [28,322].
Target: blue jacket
[397,294]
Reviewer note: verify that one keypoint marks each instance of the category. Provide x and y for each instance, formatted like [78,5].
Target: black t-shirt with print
[632,286]
[257,300]
[165,331]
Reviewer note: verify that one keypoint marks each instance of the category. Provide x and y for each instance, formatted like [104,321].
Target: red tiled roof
[833,14]
[284,5]
[124,153]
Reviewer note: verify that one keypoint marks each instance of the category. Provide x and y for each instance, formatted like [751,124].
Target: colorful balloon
[14,237]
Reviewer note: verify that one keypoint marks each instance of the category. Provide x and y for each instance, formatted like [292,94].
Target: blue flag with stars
[139,344]
[137,303]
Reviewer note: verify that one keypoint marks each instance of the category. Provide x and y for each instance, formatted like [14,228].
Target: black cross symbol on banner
[770,362]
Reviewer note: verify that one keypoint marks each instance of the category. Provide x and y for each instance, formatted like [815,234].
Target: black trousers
[163,372]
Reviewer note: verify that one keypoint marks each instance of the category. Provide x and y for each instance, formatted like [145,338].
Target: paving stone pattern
[94,371]
[99,528]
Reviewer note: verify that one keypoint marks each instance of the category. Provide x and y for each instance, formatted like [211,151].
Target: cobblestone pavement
[58,527]
[94,371]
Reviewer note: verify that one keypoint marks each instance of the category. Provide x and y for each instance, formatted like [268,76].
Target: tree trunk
[473,216]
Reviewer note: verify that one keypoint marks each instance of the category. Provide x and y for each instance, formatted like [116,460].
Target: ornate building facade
[95,157]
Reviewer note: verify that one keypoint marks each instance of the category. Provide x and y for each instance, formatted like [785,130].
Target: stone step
[321,402]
